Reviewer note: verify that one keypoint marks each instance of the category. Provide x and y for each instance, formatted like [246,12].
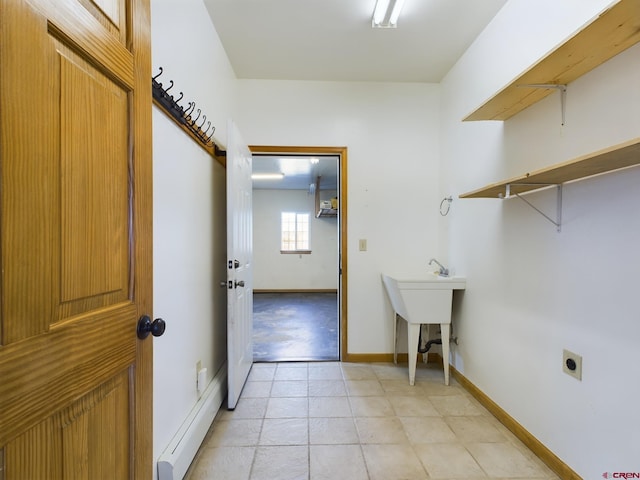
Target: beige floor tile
[371,407]
[290,388]
[261,372]
[327,388]
[427,430]
[223,463]
[448,460]
[389,371]
[236,432]
[393,462]
[329,407]
[249,408]
[413,406]
[352,371]
[291,373]
[335,462]
[281,463]
[503,460]
[438,388]
[296,364]
[284,431]
[381,430]
[364,388]
[287,407]
[476,428]
[329,431]
[455,405]
[293,421]
[430,371]
[336,363]
[400,387]
[325,372]
[256,389]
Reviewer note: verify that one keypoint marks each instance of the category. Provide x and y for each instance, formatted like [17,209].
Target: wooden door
[240,264]
[75,239]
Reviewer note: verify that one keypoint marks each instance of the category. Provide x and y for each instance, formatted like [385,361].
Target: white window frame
[299,221]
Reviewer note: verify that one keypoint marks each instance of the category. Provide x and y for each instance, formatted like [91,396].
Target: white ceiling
[299,171]
[332,40]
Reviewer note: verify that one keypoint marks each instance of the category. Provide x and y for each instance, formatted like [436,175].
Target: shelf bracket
[563,94]
[558,221]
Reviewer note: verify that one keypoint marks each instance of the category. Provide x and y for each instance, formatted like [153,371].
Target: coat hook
[204,119]
[180,97]
[211,134]
[159,73]
[196,119]
[189,109]
[170,86]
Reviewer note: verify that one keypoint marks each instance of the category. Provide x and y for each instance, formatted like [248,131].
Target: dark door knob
[146,327]
[240,284]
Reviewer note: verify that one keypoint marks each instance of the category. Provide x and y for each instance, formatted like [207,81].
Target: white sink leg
[445,331]
[413,332]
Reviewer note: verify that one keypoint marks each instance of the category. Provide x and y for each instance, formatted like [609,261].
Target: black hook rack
[184,115]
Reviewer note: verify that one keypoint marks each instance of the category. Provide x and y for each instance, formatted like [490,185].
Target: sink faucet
[443,271]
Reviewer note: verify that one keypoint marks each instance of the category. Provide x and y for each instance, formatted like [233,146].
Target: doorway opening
[299,253]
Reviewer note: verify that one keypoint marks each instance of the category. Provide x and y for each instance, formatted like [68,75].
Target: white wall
[275,271]
[532,291]
[392,135]
[189,214]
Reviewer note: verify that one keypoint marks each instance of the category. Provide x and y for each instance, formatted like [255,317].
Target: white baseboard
[175,460]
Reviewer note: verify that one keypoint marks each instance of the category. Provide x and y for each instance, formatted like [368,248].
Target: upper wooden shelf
[620,156]
[615,30]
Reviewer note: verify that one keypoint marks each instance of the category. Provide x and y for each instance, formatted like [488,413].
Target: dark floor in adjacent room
[290,327]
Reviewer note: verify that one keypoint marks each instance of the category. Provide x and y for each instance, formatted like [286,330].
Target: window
[294,230]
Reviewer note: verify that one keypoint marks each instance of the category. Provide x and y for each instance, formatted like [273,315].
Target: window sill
[296,252]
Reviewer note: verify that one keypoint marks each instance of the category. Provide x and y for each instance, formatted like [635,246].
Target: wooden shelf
[615,30]
[620,156]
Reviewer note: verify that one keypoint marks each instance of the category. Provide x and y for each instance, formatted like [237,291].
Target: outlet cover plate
[577,372]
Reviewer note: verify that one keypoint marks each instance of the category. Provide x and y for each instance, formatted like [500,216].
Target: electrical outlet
[572,364]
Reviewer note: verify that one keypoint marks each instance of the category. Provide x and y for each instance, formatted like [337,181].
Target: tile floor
[353,421]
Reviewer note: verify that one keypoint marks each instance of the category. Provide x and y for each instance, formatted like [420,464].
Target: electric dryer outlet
[572,364]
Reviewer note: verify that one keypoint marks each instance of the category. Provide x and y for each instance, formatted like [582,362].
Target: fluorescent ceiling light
[267,176]
[386,13]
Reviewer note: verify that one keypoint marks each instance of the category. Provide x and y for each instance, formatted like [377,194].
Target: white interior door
[239,264]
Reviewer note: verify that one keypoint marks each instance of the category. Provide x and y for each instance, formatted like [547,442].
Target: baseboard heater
[175,460]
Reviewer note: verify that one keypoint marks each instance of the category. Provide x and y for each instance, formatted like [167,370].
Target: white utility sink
[422,301]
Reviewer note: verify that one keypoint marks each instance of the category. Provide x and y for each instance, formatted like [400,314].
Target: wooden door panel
[80,442]
[110,14]
[75,239]
[72,138]
[94,188]
[71,360]
[77,26]
[26,82]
